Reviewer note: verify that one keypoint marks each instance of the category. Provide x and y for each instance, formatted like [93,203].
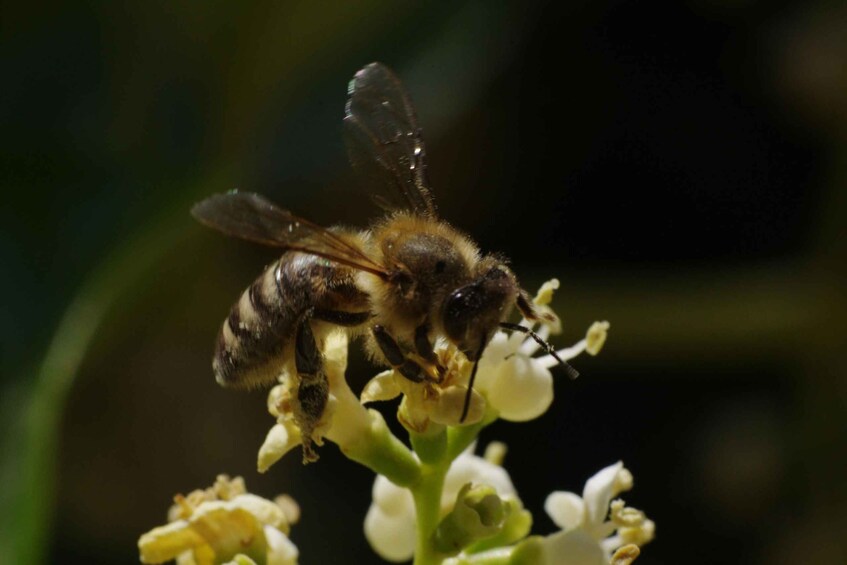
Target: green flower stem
[529,552]
[382,452]
[427,496]
[459,438]
[431,446]
[499,556]
[437,450]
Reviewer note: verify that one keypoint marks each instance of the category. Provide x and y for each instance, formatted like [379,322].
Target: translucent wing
[384,142]
[252,217]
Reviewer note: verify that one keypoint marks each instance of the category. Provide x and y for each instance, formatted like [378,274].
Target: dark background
[680,166]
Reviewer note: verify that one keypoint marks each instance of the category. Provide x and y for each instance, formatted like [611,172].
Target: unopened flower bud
[478,513]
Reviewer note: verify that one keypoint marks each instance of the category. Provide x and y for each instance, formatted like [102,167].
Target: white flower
[587,537]
[516,384]
[344,421]
[220,524]
[390,521]
[430,403]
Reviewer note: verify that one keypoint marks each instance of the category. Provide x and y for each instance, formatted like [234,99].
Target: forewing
[384,142]
[252,217]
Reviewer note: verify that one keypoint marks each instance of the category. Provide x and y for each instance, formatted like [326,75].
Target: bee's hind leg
[529,311]
[313,388]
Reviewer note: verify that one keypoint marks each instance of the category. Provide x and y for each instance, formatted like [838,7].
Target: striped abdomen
[256,339]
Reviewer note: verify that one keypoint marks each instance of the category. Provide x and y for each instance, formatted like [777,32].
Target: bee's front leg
[425,350]
[409,368]
[529,311]
[313,388]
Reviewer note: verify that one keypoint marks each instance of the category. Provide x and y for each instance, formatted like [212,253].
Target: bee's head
[472,313]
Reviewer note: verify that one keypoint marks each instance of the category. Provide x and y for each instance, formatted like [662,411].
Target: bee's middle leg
[393,353]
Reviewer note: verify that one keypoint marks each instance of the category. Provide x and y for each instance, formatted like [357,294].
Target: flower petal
[497,350]
[469,468]
[237,560]
[451,401]
[392,537]
[566,509]
[602,488]
[576,547]
[281,550]
[350,420]
[522,389]
[267,512]
[167,542]
[391,499]
[281,439]
[382,387]
[275,400]
[227,528]
[218,524]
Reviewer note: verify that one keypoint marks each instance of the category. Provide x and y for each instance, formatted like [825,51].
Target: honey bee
[408,280]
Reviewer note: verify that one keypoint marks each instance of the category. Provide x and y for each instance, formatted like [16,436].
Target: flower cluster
[437,502]
[390,521]
[511,383]
[519,385]
[223,524]
[594,528]
[587,536]
[344,420]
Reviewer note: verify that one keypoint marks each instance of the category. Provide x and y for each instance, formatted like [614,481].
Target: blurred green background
[680,166]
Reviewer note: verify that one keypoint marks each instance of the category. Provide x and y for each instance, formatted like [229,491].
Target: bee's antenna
[468,394]
[572,373]
[467,404]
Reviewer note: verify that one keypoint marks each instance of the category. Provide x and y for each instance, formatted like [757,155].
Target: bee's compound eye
[459,309]
[472,313]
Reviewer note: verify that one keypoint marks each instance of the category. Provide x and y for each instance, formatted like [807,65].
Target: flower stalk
[382,452]
[427,496]
[460,438]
